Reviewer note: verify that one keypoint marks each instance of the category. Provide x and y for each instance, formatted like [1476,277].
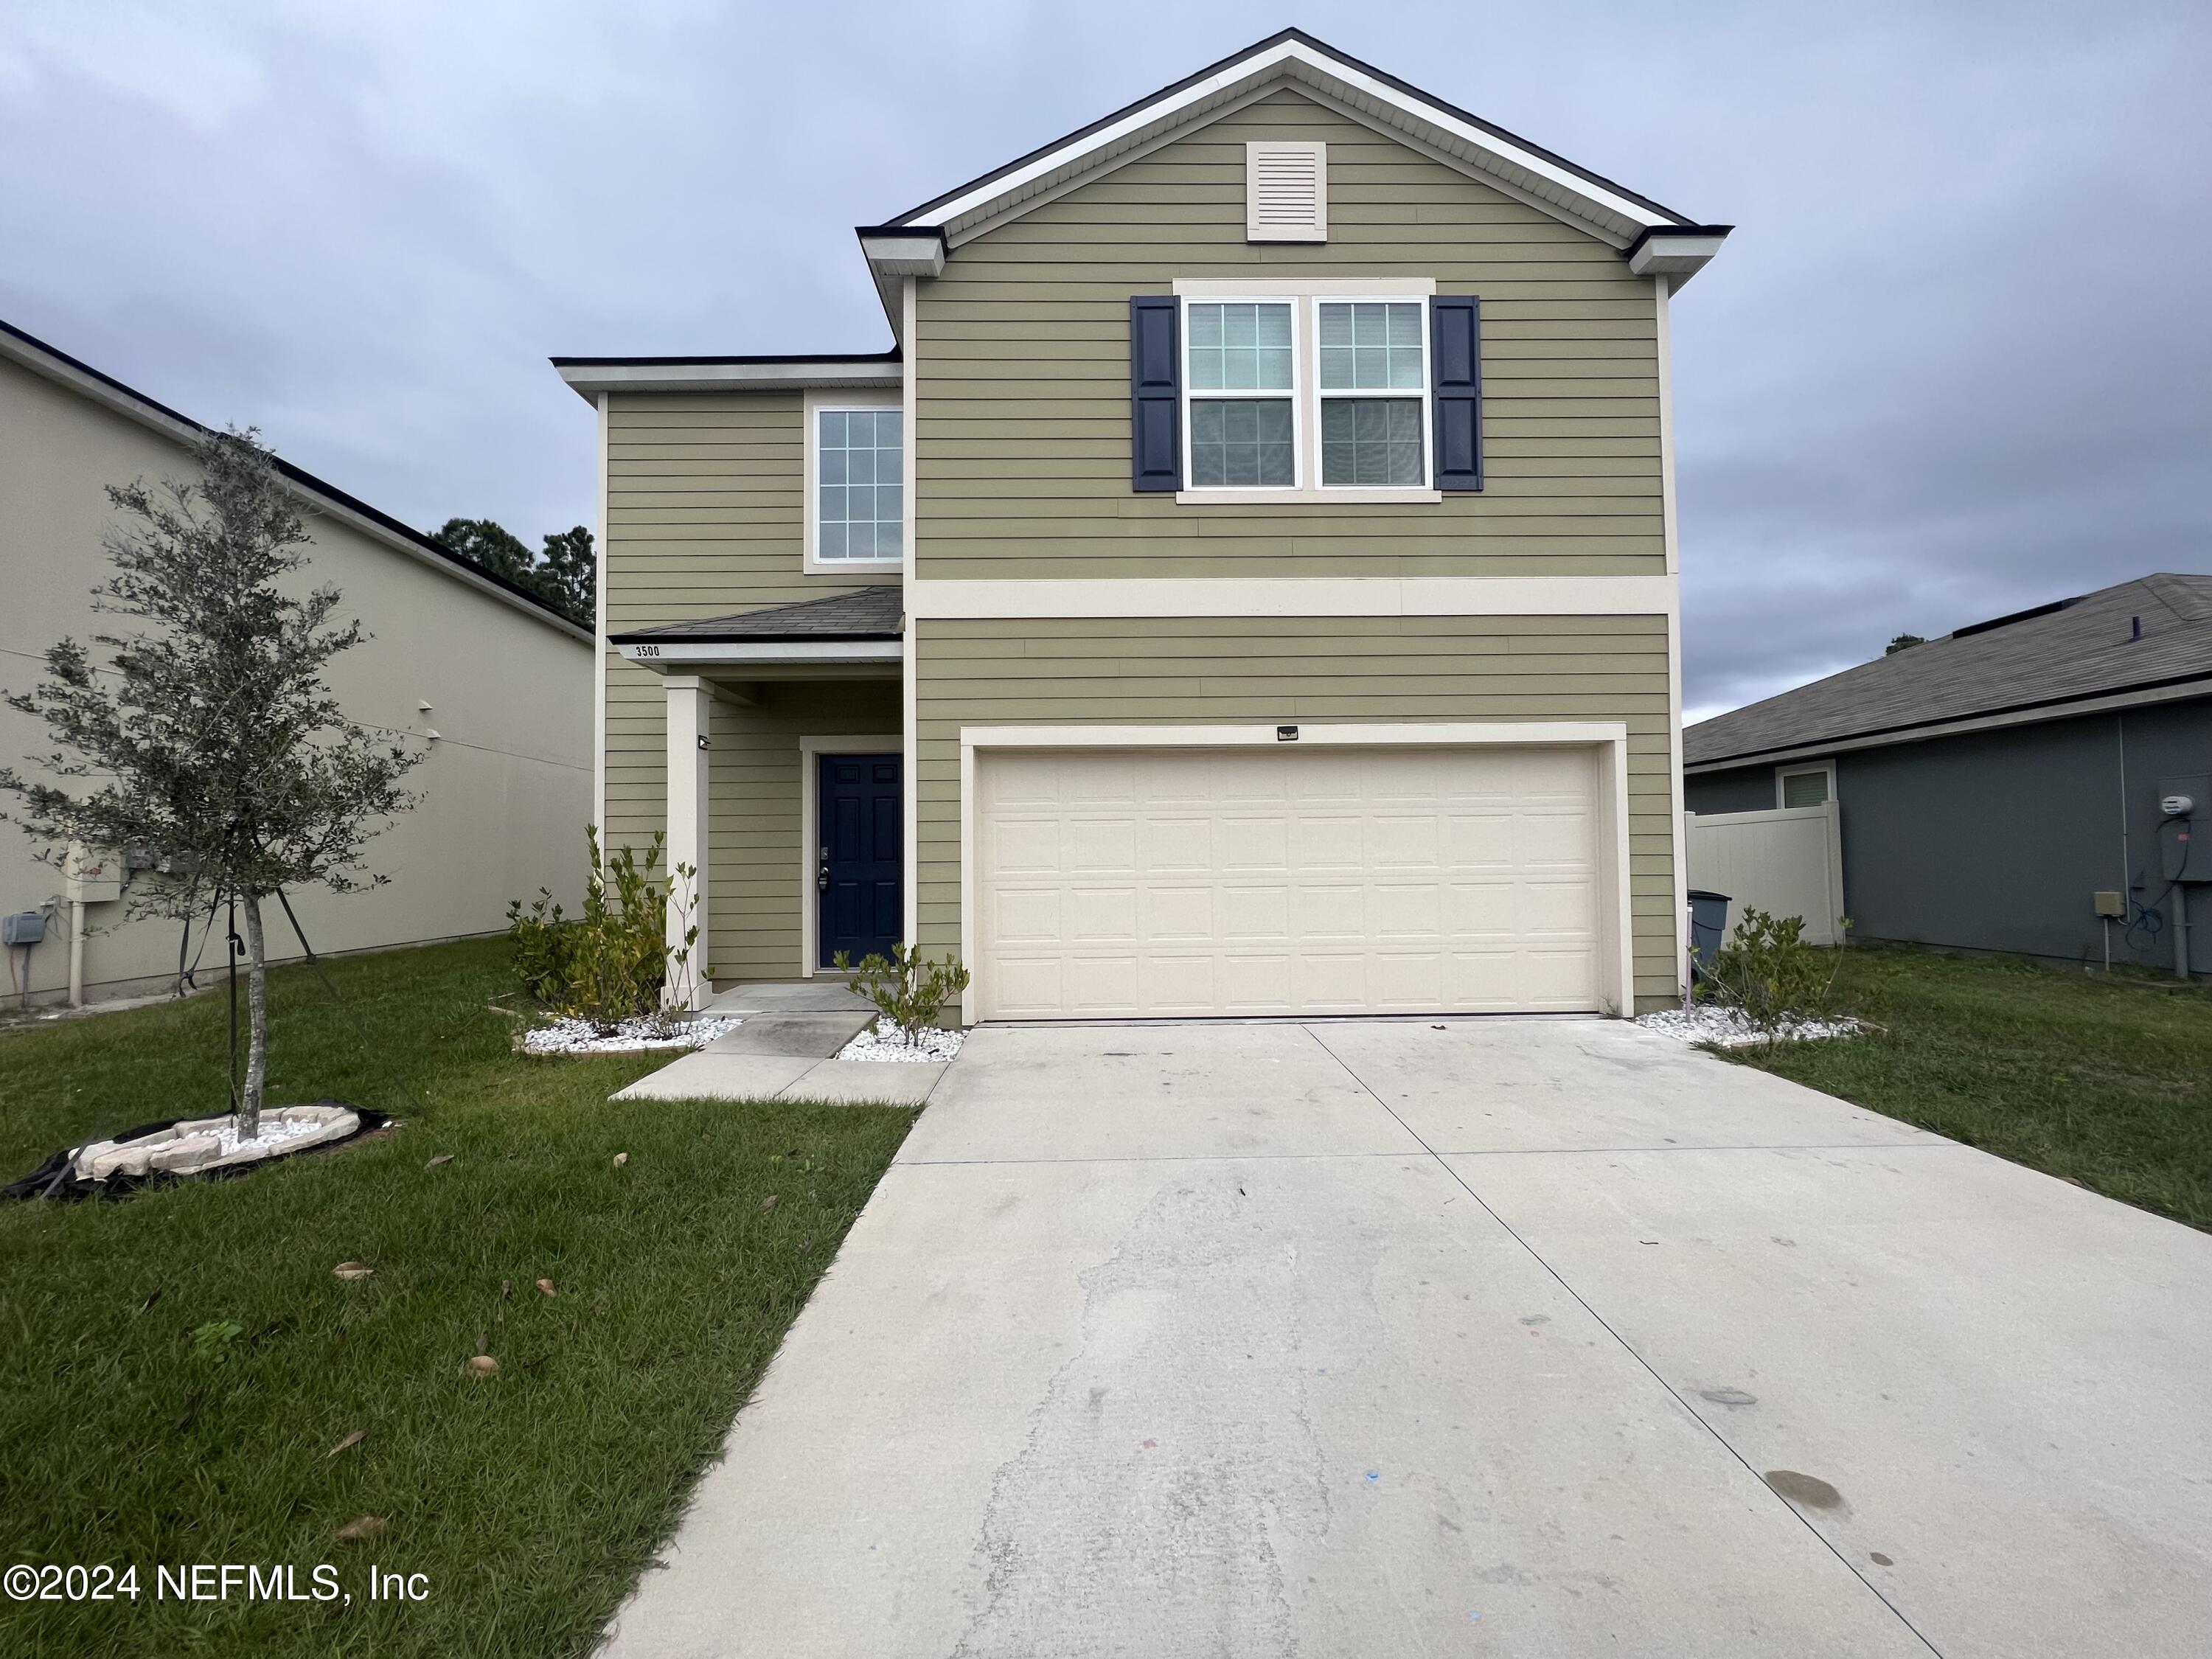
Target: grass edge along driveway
[179,1371]
[2105,1080]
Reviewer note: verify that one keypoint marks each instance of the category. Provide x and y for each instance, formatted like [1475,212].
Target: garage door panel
[1386,879]
[1101,915]
[1250,843]
[1335,912]
[1100,986]
[1321,841]
[1476,839]
[1402,840]
[1025,916]
[1405,911]
[1557,911]
[1178,915]
[1176,846]
[1323,981]
[1025,846]
[1254,913]
[1255,983]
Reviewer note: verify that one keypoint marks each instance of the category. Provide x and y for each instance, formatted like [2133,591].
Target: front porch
[785,782]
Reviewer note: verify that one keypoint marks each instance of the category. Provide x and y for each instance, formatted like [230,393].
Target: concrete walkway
[785,1048]
[1538,1338]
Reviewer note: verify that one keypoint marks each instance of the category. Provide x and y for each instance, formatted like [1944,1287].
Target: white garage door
[1114,883]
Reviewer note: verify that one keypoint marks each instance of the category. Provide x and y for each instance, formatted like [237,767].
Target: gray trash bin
[1708,926]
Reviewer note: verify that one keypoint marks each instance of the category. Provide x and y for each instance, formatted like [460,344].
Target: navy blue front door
[857,877]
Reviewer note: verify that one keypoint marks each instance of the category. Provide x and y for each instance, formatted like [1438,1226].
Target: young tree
[210,740]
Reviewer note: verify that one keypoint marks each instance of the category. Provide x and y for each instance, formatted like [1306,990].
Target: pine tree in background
[208,739]
[565,576]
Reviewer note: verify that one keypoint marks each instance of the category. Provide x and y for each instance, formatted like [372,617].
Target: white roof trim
[1579,197]
[590,380]
[190,433]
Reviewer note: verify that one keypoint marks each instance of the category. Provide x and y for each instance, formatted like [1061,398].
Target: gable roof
[28,351]
[2040,664]
[1611,211]
[1655,240]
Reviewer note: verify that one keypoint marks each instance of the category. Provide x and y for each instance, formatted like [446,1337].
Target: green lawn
[530,1500]
[2106,1081]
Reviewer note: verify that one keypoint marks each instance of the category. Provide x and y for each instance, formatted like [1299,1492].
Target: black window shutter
[1455,354]
[1154,401]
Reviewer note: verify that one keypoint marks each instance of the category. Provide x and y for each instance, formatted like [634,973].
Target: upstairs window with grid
[1244,391]
[1374,392]
[861,471]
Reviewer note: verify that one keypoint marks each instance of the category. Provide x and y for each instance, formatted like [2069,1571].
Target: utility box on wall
[2184,842]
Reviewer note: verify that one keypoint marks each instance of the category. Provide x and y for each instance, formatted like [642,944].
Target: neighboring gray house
[2001,788]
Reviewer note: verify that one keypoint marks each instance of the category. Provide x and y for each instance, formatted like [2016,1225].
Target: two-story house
[1247,587]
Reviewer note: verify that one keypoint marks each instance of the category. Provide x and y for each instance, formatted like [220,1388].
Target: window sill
[853,566]
[1338,497]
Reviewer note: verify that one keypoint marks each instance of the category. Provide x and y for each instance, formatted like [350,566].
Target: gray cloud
[1955,361]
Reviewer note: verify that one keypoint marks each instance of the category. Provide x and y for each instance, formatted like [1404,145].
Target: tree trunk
[257,1003]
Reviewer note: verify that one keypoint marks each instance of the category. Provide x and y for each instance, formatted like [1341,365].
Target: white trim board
[592,380]
[1611,736]
[600,637]
[810,830]
[937,598]
[707,653]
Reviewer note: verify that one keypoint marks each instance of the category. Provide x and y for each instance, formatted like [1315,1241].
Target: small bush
[907,991]
[540,940]
[1768,971]
[611,962]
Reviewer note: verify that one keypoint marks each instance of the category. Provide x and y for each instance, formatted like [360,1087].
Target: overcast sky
[1956,361]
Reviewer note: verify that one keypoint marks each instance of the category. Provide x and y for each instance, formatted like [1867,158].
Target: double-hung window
[1243,394]
[859,472]
[1306,394]
[1374,392]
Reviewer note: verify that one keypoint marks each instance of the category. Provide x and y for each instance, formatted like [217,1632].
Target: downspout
[77,953]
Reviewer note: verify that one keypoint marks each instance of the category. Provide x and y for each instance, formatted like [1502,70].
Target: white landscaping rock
[935,1046]
[212,1143]
[580,1036]
[1727,1028]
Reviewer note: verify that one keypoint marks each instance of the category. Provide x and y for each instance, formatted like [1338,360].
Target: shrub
[907,991]
[1768,970]
[611,962]
[540,940]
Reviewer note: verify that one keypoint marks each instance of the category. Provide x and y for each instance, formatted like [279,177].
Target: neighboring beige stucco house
[1248,586]
[495,685]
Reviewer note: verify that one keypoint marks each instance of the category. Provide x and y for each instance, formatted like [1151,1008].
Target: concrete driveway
[1514,1337]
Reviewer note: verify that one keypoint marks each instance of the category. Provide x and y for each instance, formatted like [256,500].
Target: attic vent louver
[1285,192]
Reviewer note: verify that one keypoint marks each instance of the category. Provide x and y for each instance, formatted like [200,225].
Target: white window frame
[1411,491]
[1294,395]
[1307,462]
[1825,768]
[871,401]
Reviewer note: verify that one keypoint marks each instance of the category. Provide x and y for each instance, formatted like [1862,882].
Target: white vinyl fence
[1788,862]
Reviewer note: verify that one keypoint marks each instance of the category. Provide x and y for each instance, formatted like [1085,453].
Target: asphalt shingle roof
[869,613]
[2080,647]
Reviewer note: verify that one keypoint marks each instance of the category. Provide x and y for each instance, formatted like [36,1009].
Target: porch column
[691,730]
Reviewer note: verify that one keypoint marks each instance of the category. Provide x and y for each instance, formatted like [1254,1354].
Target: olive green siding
[1201,670]
[703,517]
[1021,363]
